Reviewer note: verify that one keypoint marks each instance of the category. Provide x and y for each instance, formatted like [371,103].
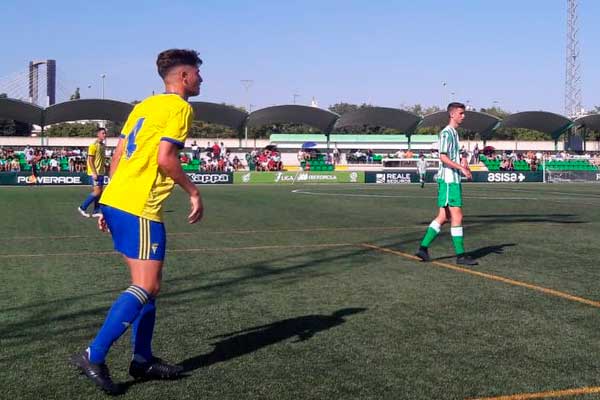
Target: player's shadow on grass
[491,219]
[530,218]
[483,251]
[246,341]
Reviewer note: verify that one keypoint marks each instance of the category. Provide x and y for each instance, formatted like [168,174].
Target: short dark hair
[454,105]
[100,129]
[175,57]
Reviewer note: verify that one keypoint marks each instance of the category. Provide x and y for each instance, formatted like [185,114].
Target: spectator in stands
[15,166]
[277,161]
[183,158]
[54,164]
[409,154]
[195,150]
[359,156]
[216,150]
[475,157]
[44,164]
[533,165]
[35,163]
[336,154]
[224,150]
[400,153]
[237,164]
[507,164]
[263,162]
[28,151]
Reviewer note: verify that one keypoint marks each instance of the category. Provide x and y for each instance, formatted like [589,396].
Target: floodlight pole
[103,76]
[247,83]
[573,63]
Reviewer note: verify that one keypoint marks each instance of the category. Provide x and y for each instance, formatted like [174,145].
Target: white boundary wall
[22,141]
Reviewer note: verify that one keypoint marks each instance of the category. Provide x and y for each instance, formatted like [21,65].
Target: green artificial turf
[273,295]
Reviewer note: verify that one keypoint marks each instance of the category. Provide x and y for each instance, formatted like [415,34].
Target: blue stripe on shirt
[175,142]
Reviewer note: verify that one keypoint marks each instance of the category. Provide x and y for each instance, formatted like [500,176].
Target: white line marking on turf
[301,191]
[584,195]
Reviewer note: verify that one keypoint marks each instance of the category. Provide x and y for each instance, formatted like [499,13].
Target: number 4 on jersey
[131,146]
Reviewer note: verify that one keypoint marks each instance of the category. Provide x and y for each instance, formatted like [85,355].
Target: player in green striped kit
[449,189]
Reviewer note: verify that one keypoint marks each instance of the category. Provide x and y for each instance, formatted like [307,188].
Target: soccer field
[311,292]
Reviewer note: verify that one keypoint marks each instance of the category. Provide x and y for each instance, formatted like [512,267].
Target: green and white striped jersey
[448,144]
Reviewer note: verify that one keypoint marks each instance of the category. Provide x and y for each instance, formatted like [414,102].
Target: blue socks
[123,312]
[88,200]
[141,334]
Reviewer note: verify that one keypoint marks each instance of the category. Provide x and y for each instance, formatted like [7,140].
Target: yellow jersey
[138,186]
[97,150]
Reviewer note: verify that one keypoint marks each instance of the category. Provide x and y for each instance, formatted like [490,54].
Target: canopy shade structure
[21,111]
[221,114]
[323,120]
[392,118]
[474,121]
[542,121]
[76,110]
[591,122]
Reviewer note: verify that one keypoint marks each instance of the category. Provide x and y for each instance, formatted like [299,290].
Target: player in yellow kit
[144,169]
[96,169]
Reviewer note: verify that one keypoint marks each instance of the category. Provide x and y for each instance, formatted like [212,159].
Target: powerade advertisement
[298,177]
[66,178]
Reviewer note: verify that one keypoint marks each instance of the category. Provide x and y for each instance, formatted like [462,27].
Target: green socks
[457,236]
[432,231]
[457,239]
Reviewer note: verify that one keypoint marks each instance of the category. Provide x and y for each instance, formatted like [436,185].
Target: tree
[114,128]
[496,112]
[3,96]
[421,111]
[201,129]
[343,108]
[76,95]
[87,129]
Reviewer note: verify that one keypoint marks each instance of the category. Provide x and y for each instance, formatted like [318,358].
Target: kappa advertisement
[298,177]
[213,178]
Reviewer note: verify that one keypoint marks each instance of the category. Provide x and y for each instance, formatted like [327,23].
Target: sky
[397,53]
